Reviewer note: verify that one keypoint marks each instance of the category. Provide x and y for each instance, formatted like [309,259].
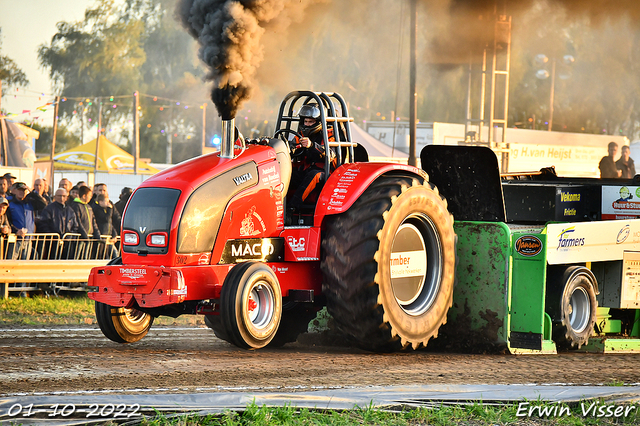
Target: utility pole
[55,131]
[169,137]
[136,132]
[413,102]
[552,94]
[99,130]
[204,126]
[3,133]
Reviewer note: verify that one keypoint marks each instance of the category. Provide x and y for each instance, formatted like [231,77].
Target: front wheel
[122,325]
[214,322]
[250,305]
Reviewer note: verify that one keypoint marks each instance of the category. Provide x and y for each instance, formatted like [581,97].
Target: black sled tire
[399,216]
[122,325]
[251,305]
[571,303]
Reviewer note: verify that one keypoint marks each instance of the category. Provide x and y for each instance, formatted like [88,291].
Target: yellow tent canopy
[111,158]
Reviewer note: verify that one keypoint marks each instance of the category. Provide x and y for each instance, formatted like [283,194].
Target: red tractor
[214,236]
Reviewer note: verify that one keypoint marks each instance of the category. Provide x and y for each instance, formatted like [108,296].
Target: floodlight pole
[55,130]
[98,137]
[413,101]
[204,126]
[136,132]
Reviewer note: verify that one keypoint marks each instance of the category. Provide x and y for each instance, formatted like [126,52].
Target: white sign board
[591,241]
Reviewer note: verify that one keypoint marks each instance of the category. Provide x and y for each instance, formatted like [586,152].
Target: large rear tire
[122,325]
[571,303]
[389,265]
[251,305]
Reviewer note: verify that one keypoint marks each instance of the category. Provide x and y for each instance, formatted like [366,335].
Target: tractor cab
[333,120]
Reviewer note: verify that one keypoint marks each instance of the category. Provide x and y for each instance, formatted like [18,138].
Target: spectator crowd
[78,210]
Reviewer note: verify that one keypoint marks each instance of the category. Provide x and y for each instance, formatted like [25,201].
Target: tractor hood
[185,203]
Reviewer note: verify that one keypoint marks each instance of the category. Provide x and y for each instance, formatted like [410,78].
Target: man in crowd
[87,226]
[108,220]
[66,184]
[607,166]
[22,217]
[11,179]
[47,189]
[39,188]
[626,164]
[59,218]
[5,226]
[4,187]
[73,193]
[107,217]
[125,194]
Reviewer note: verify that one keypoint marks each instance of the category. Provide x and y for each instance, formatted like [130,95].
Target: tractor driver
[309,157]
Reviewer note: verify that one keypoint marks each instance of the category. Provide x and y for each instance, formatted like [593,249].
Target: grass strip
[77,310]
[475,414]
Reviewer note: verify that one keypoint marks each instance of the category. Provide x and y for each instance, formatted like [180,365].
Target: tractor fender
[349,181]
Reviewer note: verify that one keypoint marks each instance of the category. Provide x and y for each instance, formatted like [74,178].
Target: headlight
[158,239]
[130,238]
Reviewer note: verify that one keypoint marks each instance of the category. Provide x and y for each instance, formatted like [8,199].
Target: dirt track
[192,359]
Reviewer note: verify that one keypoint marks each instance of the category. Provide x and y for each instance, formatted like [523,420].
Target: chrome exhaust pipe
[228,138]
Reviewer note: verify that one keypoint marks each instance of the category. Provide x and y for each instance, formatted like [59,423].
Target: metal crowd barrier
[49,262]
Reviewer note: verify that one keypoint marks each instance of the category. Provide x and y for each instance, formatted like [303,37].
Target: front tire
[389,265]
[122,325]
[214,322]
[251,305]
[295,321]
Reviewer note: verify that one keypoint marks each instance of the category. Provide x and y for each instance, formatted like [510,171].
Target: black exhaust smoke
[229,34]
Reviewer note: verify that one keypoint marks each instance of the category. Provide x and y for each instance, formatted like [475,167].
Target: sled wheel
[251,305]
[295,321]
[122,325]
[214,322]
[389,265]
[572,303]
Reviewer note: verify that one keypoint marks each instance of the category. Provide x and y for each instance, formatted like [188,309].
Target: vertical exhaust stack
[228,138]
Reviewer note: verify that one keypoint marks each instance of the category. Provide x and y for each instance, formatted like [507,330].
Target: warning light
[215,141]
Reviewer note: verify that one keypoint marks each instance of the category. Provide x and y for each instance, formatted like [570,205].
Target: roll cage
[335,114]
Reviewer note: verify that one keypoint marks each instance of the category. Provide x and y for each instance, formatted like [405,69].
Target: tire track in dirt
[191,359]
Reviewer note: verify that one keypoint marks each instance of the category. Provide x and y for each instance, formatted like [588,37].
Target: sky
[27,24]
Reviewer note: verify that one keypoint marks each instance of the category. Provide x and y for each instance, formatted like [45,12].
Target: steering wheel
[292,145]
